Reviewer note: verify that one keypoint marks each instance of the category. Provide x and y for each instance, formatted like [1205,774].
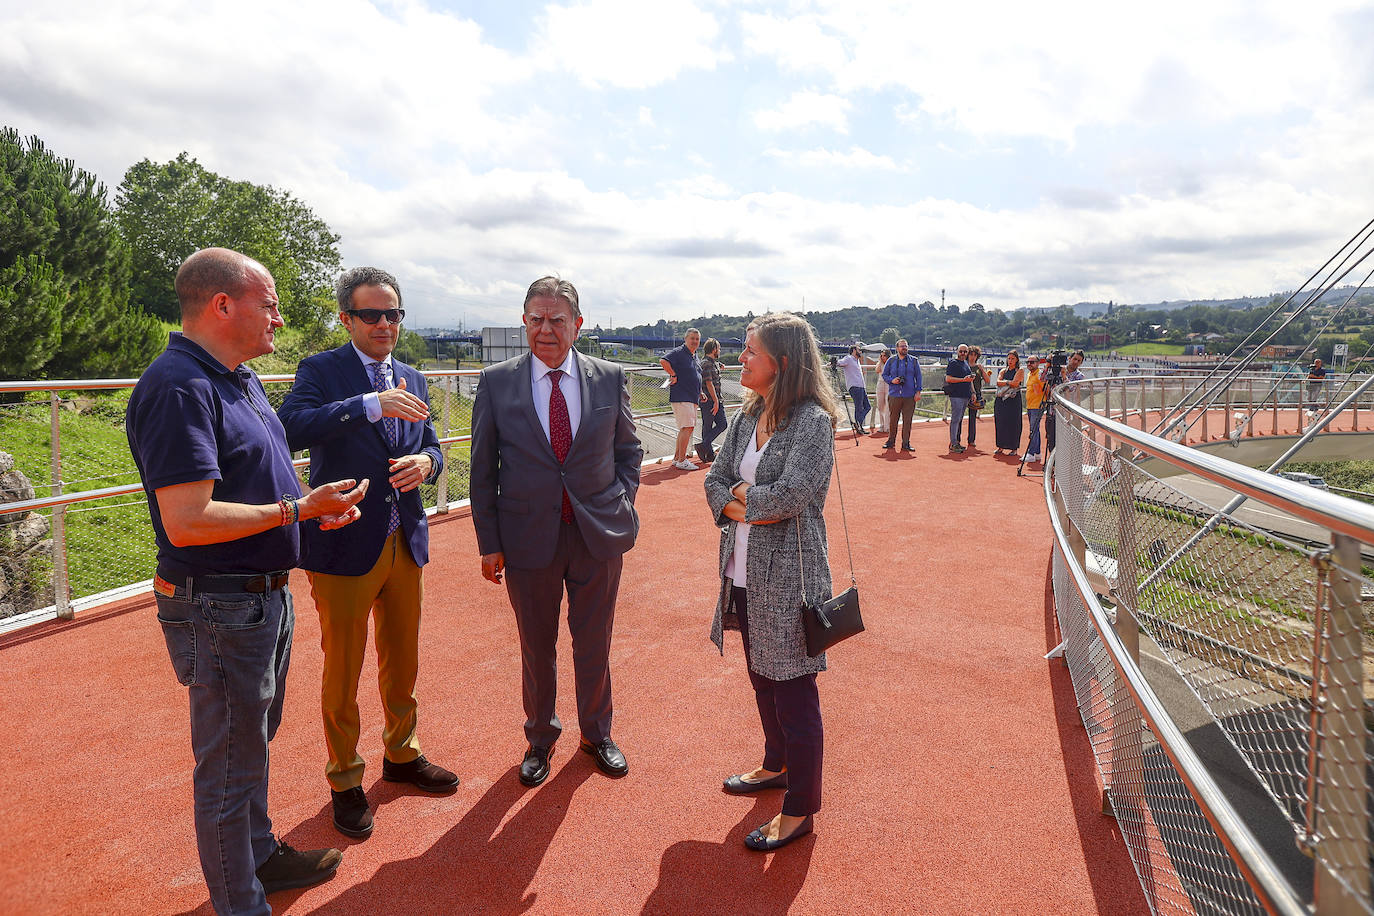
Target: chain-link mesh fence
[1264,628]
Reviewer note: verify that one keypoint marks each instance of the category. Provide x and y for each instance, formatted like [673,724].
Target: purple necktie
[393,436]
[560,432]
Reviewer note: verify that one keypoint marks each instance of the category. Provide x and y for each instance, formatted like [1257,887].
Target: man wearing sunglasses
[358,408]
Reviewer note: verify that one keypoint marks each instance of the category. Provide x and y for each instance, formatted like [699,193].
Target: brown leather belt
[258,584]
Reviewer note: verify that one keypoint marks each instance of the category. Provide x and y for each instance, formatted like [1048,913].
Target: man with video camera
[1063,368]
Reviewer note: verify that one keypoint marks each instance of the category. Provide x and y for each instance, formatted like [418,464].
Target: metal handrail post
[1341,882]
[1128,783]
[61,598]
[441,496]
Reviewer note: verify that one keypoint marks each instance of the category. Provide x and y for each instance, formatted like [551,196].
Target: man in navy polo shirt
[684,393]
[224,501]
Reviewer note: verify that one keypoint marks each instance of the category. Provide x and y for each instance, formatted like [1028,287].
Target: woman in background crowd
[1035,406]
[1006,409]
[767,489]
[712,400]
[980,375]
[881,425]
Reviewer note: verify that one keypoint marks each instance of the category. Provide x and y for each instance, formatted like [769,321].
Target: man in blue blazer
[357,408]
[555,469]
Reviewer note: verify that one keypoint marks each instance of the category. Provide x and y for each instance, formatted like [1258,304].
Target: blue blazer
[324,412]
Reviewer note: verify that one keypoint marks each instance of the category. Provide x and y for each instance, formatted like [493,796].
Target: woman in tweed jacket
[767,489]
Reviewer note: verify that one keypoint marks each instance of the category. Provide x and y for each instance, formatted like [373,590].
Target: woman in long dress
[1006,409]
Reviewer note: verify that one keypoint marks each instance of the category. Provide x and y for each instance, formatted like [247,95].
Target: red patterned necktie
[392,437]
[560,432]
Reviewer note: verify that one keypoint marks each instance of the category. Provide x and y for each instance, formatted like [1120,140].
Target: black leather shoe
[423,775]
[889,444]
[738,785]
[700,449]
[352,814]
[757,842]
[534,769]
[907,448]
[288,868]
[608,757]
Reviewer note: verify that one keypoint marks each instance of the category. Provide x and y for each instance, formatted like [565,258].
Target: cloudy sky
[680,157]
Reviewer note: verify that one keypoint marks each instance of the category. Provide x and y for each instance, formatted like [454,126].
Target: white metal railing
[1254,623]
[80,536]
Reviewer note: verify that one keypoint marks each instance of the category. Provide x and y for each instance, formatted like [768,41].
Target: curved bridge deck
[958,776]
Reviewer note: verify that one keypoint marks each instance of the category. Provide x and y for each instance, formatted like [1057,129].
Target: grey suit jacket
[517,484]
[791,482]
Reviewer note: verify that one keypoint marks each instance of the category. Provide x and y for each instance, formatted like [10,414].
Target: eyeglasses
[372,316]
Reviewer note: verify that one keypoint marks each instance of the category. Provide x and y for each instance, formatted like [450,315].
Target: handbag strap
[844,522]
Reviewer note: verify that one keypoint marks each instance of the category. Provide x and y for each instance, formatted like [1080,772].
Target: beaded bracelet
[290,511]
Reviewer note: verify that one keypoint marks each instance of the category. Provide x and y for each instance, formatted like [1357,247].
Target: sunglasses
[372,316]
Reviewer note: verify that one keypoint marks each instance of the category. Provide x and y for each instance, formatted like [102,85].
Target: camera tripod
[1054,378]
[848,407]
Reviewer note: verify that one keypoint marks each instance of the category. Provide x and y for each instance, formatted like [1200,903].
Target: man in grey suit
[555,469]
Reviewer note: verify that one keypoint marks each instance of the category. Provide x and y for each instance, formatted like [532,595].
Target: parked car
[1310,479]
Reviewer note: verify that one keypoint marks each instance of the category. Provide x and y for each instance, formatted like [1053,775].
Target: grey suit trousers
[537,597]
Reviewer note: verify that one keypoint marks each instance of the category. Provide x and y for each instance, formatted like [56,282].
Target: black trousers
[537,597]
[793,738]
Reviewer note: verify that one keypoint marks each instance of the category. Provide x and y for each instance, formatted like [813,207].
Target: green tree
[169,210]
[890,337]
[64,272]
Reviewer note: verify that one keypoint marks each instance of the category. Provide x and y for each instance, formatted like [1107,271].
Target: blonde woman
[767,489]
[881,388]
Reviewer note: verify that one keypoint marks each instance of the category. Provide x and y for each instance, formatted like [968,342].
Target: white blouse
[737,567]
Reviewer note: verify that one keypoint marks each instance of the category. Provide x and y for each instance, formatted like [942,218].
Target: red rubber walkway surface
[958,778]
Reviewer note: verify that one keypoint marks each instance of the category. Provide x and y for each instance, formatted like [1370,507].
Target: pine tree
[64,272]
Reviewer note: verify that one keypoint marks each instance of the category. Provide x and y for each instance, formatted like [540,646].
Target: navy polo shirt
[191,419]
[688,372]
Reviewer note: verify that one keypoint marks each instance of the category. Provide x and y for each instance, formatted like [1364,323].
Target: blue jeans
[957,408]
[712,425]
[1033,415]
[233,651]
[861,405]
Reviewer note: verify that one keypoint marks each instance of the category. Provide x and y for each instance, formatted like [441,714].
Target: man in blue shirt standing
[224,501]
[903,376]
[684,393]
[959,388]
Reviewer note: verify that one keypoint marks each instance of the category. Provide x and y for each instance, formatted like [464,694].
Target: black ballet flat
[757,842]
[738,785]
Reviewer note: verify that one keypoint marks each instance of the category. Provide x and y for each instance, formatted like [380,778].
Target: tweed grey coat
[792,480]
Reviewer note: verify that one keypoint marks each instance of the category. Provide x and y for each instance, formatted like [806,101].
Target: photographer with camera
[853,368]
[903,376]
[1063,368]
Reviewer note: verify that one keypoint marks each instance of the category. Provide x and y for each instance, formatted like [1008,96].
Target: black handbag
[837,618]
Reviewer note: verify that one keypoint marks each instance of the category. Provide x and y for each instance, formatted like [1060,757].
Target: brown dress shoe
[425,776]
[288,868]
[352,814]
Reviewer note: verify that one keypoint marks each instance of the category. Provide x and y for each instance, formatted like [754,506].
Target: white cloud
[853,158]
[469,169]
[1051,69]
[628,43]
[806,109]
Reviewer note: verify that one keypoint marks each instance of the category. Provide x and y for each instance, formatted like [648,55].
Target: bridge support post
[1338,818]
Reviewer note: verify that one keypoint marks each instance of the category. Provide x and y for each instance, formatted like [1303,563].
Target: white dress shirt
[737,567]
[371,402]
[568,383]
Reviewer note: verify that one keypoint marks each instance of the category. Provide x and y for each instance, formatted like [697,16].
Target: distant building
[502,343]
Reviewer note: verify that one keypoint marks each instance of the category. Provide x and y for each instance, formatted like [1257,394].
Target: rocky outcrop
[26,555]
